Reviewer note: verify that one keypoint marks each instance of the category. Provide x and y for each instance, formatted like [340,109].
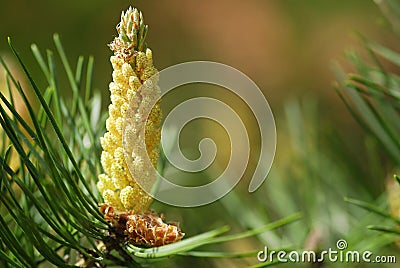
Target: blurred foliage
[372,96]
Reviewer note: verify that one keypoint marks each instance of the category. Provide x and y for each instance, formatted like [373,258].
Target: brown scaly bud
[142,229]
[149,229]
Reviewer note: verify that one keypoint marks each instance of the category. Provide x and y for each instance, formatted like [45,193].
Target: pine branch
[49,205]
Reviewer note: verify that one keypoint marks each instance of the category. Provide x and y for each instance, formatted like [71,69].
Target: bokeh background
[287,48]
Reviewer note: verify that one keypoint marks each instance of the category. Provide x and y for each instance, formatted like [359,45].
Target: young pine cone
[142,229]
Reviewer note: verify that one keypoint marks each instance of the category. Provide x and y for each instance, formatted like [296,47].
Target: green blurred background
[286,47]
